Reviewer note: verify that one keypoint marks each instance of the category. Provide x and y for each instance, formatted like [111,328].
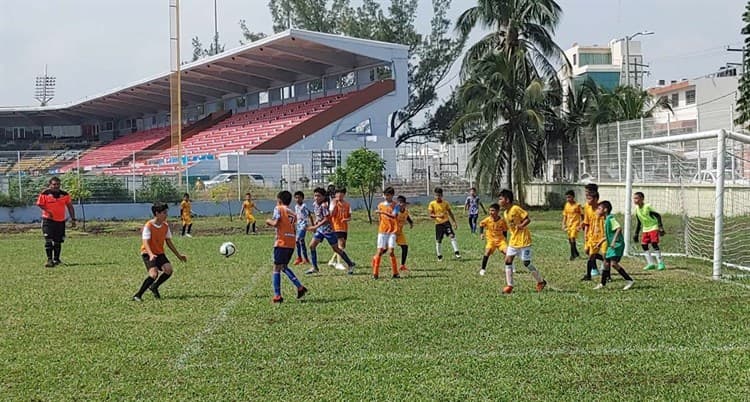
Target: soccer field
[439,333]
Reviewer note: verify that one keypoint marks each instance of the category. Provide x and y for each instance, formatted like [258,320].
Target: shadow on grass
[85,264]
[196,296]
[324,300]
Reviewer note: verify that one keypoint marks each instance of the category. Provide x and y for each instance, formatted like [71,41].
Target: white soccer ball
[227,249]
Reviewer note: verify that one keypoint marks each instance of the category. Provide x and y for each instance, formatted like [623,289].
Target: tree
[200,52]
[430,56]
[743,104]
[363,171]
[74,184]
[249,36]
[158,188]
[621,104]
[197,49]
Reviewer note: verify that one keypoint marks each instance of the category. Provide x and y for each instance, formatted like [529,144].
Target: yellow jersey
[493,229]
[440,210]
[572,213]
[518,237]
[594,224]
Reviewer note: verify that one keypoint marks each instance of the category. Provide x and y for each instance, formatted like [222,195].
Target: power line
[697,53]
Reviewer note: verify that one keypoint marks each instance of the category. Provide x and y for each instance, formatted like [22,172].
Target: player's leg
[454,242]
[166,272]
[152,272]
[488,251]
[439,234]
[184,228]
[333,241]
[391,246]
[645,242]
[49,244]
[510,254]
[276,279]
[621,270]
[381,245]
[404,254]
[317,237]
[189,227]
[605,274]
[254,231]
[657,251]
[247,226]
[526,259]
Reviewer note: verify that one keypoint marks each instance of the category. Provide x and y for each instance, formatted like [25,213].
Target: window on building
[675,101]
[587,59]
[690,97]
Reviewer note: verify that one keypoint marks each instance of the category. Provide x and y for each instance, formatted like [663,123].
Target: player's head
[54,183]
[638,198]
[604,208]
[284,197]
[320,194]
[159,210]
[494,210]
[388,193]
[248,196]
[473,191]
[438,193]
[299,197]
[592,188]
[186,196]
[505,198]
[570,196]
[592,198]
[340,193]
[401,201]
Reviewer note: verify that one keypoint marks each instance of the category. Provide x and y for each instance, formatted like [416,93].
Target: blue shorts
[301,233]
[330,237]
[282,256]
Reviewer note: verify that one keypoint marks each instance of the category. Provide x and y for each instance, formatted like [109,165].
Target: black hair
[473,188]
[592,188]
[159,207]
[495,206]
[248,194]
[285,197]
[606,205]
[401,198]
[640,194]
[321,191]
[186,195]
[570,193]
[341,190]
[299,193]
[389,190]
[438,191]
[506,194]
[53,178]
[594,195]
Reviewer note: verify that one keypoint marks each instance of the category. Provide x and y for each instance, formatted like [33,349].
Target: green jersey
[648,222]
[615,249]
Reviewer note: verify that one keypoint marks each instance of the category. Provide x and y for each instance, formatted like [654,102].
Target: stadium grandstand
[296,90]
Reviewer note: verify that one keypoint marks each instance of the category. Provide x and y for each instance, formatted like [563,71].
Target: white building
[606,64]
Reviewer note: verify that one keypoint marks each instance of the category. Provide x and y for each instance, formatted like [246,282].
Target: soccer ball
[227,249]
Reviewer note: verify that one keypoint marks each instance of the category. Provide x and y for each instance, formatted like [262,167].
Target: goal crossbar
[656,144]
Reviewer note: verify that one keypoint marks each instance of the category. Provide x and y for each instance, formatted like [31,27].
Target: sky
[92,46]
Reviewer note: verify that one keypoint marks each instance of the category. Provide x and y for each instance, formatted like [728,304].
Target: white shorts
[524,252]
[386,240]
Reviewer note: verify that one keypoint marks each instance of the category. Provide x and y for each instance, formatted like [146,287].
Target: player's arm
[483,208]
[481,230]
[348,215]
[72,213]
[411,222]
[616,237]
[657,216]
[453,218]
[637,228]
[174,249]
[563,223]
[272,222]
[242,210]
[431,210]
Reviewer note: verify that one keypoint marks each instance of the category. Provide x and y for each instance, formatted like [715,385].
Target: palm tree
[498,98]
[621,104]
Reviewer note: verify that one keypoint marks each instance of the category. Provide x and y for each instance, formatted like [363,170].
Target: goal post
[685,191]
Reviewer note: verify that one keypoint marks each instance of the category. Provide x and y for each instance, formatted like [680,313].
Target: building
[605,64]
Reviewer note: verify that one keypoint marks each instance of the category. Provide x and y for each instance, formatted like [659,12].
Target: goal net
[700,183]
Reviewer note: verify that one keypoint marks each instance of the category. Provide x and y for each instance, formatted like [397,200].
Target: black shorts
[53,230]
[282,256]
[443,229]
[341,235]
[614,258]
[157,263]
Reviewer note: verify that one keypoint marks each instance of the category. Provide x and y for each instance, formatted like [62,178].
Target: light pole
[627,40]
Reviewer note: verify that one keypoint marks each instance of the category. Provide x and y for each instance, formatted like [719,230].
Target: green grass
[441,333]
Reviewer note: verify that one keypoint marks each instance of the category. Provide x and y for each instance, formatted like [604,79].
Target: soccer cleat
[572,257]
[332,263]
[351,269]
[661,266]
[594,272]
[396,276]
[457,254]
[599,286]
[277,299]
[628,285]
[340,266]
[301,291]
[49,264]
[403,268]
[137,298]
[312,271]
[586,278]
[541,285]
[374,277]
[508,290]
[188,235]
[57,262]
[440,258]
[155,291]
[649,267]
[482,272]
[298,261]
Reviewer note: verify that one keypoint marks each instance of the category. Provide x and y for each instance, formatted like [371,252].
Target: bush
[9,202]
[103,188]
[158,188]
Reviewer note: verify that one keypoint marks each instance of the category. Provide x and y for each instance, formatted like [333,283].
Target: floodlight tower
[175,110]
[45,88]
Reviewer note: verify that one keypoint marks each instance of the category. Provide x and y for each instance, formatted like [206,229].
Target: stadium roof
[275,61]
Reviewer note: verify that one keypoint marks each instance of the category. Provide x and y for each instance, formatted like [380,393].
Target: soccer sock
[56,251]
[590,266]
[346,258]
[657,253]
[48,246]
[509,274]
[649,258]
[276,283]
[484,261]
[254,227]
[290,274]
[183,230]
[376,264]
[190,227]
[162,278]
[247,228]
[404,253]
[314,257]
[394,264]
[333,259]
[621,271]
[146,283]
[534,272]
[454,243]
[299,249]
[605,276]
[437,248]
[573,249]
[304,249]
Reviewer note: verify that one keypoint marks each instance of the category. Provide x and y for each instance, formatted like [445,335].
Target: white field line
[441,356]
[196,344]
[708,278]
